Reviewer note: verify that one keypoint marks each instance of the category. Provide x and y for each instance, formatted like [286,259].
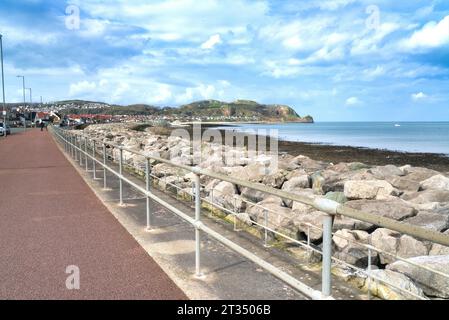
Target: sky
[337,60]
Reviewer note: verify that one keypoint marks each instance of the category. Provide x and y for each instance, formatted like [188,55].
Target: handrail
[330,207]
[321,204]
[301,287]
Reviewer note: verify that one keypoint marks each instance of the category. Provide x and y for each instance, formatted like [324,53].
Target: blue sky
[336,60]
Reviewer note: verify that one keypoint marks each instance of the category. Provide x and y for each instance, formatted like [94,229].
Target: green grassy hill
[214,109]
[240,109]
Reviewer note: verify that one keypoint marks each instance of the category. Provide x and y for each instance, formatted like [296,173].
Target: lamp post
[24,99]
[3,84]
[31,105]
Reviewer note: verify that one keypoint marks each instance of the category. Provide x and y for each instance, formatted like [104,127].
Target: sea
[420,137]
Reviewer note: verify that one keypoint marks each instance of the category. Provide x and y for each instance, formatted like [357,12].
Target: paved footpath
[50,219]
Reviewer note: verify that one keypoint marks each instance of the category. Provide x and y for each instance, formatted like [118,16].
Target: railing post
[71,145]
[86,154]
[265,215]
[198,273]
[75,150]
[147,180]
[80,148]
[327,256]
[104,167]
[120,179]
[235,216]
[94,164]
[369,273]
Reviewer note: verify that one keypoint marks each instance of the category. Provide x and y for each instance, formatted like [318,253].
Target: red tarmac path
[50,219]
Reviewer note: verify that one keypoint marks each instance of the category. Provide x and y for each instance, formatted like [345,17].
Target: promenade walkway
[50,219]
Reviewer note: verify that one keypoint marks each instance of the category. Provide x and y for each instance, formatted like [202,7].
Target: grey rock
[429,220]
[394,209]
[256,171]
[380,288]
[381,172]
[343,167]
[252,195]
[403,183]
[337,197]
[433,285]
[427,196]
[438,249]
[297,182]
[169,184]
[162,170]
[287,162]
[442,208]
[311,223]
[419,174]
[369,189]
[278,218]
[225,194]
[409,247]
[308,193]
[275,180]
[386,240]
[295,173]
[337,183]
[310,165]
[342,222]
[354,166]
[347,248]
[300,208]
[318,182]
[438,182]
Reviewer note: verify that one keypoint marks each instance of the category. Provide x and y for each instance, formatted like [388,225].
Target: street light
[24,99]
[31,105]
[3,85]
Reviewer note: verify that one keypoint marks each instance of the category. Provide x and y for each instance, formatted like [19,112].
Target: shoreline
[336,154]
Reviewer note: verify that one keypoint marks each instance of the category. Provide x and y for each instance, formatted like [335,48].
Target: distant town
[78,112]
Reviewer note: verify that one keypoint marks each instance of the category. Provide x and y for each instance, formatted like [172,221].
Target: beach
[336,153]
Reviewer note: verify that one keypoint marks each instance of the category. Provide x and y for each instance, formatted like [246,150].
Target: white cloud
[93,27]
[212,42]
[333,4]
[327,54]
[163,94]
[432,35]
[16,34]
[352,101]
[298,35]
[224,83]
[375,72]
[82,88]
[419,96]
[170,20]
[367,43]
[293,42]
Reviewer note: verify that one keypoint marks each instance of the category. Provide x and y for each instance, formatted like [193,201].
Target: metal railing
[77,146]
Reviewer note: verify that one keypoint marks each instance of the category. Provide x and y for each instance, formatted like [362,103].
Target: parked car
[3,129]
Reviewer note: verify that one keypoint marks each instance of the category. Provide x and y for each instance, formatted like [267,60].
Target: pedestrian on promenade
[42,125]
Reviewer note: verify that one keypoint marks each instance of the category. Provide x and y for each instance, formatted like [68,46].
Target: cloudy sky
[336,60]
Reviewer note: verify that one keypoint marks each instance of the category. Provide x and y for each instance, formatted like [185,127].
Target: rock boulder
[438,182]
[369,189]
[432,284]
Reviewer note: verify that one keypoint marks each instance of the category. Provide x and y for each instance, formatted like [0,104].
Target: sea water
[428,137]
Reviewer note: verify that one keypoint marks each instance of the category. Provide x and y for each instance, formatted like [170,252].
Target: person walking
[42,125]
